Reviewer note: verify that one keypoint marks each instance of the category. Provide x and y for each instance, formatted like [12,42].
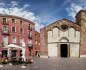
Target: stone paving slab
[51,64]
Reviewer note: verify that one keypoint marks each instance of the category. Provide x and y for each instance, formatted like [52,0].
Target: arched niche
[55,32]
[50,36]
[72,32]
[64,39]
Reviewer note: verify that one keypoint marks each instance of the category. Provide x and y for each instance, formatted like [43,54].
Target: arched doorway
[64,47]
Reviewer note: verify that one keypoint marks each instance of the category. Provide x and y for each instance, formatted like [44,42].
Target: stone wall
[52,50]
[43,42]
[74,50]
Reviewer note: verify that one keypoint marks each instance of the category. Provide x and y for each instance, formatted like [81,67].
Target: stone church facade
[65,38]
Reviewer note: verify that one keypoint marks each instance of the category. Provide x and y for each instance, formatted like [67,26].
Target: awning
[13,46]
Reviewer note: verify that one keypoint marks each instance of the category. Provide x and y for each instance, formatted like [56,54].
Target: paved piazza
[51,64]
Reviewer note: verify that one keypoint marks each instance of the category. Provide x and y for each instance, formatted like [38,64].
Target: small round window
[64,27]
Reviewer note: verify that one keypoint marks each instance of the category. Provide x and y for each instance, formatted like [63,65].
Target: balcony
[5,32]
[30,37]
[5,23]
[30,44]
[29,28]
[4,44]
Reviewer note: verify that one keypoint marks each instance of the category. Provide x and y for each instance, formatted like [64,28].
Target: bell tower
[81,21]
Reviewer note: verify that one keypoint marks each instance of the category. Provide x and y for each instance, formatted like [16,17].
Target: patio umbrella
[12,46]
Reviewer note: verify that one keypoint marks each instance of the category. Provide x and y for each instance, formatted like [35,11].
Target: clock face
[64,27]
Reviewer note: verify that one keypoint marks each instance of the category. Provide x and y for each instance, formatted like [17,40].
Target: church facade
[65,38]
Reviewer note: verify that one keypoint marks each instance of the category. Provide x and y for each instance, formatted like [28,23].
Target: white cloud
[2,4]
[14,3]
[38,26]
[26,5]
[73,9]
[15,10]
[18,12]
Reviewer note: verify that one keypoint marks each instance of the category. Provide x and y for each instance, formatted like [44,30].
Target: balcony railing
[5,32]
[29,37]
[5,23]
[30,28]
[30,45]
[4,44]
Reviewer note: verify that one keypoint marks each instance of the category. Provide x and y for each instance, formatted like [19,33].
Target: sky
[42,12]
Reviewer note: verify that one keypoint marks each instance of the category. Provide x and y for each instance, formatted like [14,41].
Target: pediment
[63,22]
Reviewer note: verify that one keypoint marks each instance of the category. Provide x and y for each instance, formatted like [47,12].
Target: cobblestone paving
[51,64]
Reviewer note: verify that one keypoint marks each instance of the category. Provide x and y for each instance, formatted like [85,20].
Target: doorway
[13,53]
[4,53]
[64,50]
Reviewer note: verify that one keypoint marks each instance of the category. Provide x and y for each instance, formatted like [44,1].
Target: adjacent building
[37,44]
[15,30]
[65,38]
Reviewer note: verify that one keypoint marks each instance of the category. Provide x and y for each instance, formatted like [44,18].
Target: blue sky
[42,12]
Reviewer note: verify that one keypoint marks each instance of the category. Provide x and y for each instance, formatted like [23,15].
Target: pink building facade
[14,30]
